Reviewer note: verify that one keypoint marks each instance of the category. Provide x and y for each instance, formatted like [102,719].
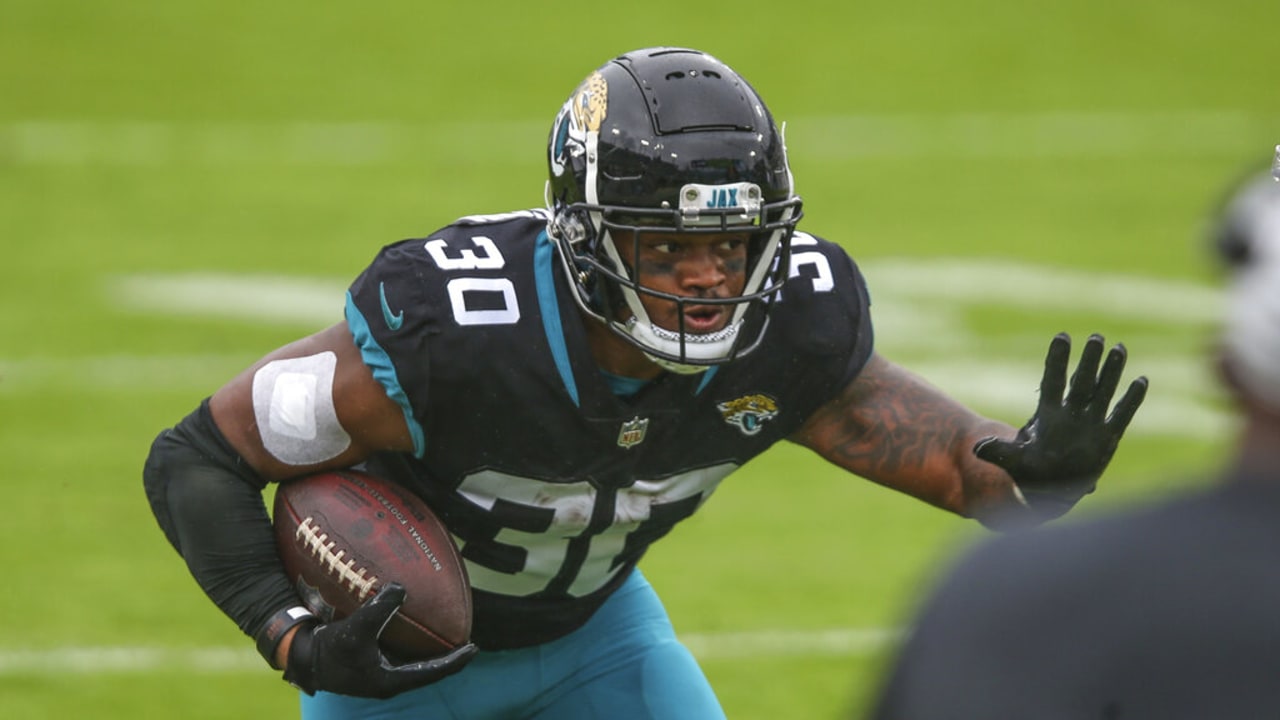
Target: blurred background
[186,186]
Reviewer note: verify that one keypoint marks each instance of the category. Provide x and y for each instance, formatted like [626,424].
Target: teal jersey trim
[706,378]
[623,386]
[545,281]
[384,371]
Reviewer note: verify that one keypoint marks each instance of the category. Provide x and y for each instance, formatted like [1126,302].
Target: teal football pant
[624,664]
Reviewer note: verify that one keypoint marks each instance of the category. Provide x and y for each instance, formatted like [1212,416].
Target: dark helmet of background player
[669,140]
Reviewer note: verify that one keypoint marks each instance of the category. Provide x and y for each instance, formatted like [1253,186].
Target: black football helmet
[669,140]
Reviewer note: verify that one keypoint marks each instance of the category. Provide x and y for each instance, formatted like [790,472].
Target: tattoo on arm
[892,427]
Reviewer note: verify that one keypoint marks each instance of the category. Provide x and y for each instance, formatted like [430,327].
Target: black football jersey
[552,485]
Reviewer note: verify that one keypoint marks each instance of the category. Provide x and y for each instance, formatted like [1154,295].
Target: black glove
[1058,456]
[343,656]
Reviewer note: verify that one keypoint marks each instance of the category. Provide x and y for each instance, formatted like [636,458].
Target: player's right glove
[1058,456]
[343,657]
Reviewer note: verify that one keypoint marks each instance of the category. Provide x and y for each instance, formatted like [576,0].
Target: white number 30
[476,300]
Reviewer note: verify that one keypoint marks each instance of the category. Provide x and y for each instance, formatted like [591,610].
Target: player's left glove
[1058,456]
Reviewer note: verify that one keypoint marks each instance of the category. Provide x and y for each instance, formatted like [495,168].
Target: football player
[1165,611]
[563,385]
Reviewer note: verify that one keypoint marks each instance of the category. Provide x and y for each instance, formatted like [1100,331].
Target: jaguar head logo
[749,413]
[582,113]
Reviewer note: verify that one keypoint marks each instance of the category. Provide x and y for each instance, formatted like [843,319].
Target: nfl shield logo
[633,432]
[315,601]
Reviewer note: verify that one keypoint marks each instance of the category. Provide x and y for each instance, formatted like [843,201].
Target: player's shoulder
[517,224]
[824,306]
[470,237]
[821,266]
[1156,545]
[802,241]
[1114,542]
[475,270]
[473,244]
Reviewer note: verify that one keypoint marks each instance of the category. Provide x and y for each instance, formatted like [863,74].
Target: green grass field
[1002,171]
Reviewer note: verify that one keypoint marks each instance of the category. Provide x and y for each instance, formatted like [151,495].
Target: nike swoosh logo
[394,320]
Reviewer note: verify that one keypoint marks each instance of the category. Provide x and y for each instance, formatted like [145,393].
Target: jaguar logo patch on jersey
[749,413]
[632,432]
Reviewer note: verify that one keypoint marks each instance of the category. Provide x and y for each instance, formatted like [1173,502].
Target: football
[342,535]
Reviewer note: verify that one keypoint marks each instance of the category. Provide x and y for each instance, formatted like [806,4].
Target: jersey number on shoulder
[476,300]
[823,280]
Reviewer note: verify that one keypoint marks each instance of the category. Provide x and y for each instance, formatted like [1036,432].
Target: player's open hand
[1058,456]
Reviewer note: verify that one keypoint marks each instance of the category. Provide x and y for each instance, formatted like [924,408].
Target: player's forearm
[945,472]
[894,428]
[216,519]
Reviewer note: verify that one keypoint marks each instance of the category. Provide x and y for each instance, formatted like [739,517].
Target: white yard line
[120,372]
[835,642]
[997,282]
[843,642]
[109,660]
[268,299]
[949,282]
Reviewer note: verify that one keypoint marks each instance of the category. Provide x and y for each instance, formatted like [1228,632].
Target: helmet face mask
[667,140]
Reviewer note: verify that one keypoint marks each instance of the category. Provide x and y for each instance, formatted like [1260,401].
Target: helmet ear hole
[573,225]
[1246,221]
[1232,246]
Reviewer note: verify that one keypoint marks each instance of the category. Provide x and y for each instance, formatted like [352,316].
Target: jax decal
[749,413]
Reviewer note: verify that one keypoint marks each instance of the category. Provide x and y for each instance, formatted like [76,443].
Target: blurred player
[1168,611]
[564,385]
